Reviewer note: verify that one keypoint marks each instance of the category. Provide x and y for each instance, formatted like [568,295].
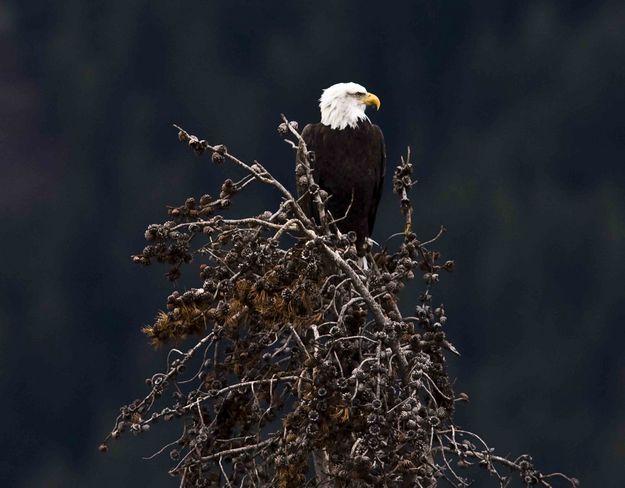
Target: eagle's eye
[359,94]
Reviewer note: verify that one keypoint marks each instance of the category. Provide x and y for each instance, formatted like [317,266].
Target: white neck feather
[340,113]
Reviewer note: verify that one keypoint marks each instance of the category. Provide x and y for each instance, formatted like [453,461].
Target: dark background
[514,112]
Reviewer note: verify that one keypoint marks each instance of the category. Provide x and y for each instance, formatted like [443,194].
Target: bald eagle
[349,159]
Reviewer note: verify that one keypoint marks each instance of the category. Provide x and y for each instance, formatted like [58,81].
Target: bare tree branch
[300,357]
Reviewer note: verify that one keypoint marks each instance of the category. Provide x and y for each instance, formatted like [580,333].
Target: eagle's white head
[343,105]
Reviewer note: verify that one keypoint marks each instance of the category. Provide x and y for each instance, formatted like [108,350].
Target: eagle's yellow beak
[371,99]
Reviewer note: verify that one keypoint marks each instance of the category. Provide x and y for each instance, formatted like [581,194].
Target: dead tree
[303,370]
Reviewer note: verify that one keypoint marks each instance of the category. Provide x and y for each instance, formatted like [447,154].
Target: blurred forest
[514,113]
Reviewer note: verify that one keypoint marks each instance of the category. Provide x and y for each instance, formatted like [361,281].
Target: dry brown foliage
[303,370]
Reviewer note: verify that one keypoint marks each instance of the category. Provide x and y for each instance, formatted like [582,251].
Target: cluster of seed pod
[293,361]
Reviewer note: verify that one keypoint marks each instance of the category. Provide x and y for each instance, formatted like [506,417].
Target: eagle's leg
[371,243]
[363,264]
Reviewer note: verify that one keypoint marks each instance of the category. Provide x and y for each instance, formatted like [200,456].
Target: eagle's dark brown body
[348,161]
